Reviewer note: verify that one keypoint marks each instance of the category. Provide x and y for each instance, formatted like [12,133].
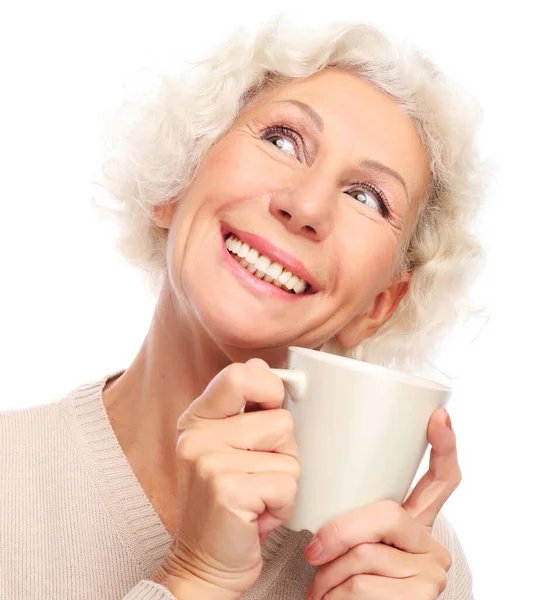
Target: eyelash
[381,197]
[284,132]
[296,138]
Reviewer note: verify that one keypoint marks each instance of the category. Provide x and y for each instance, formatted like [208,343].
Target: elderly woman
[309,189]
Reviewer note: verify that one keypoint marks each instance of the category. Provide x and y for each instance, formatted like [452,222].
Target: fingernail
[314,550]
[448,419]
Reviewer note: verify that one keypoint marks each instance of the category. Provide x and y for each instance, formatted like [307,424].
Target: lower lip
[260,286]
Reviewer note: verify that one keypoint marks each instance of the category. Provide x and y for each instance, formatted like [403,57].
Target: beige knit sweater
[75,522]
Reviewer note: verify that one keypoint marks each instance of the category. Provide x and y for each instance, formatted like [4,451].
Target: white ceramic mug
[361,430]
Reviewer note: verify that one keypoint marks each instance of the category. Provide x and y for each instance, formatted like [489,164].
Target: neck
[173,366]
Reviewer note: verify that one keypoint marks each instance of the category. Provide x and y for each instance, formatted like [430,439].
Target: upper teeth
[263,267]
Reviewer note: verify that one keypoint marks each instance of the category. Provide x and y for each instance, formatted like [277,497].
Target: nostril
[309,229]
[285,214]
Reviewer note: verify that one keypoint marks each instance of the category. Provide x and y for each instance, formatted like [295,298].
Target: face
[316,185]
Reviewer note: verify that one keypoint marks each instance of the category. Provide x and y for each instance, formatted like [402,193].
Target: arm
[149,590]
[177,590]
[459,578]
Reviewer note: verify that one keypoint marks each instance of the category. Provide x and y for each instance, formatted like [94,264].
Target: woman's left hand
[385,550]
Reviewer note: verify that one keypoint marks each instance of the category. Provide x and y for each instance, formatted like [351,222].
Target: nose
[306,210]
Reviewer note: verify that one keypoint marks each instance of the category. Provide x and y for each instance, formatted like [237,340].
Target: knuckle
[292,486]
[392,513]
[432,589]
[223,487]
[185,422]
[295,469]
[187,447]
[447,559]
[363,552]
[206,466]
[285,422]
[442,581]
[356,585]
[234,376]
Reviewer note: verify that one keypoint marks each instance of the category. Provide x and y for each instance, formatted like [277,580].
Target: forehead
[361,122]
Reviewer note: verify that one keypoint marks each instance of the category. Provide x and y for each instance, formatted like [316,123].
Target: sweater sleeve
[149,590]
[459,578]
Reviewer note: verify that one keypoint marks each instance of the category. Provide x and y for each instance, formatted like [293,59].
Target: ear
[383,306]
[163,214]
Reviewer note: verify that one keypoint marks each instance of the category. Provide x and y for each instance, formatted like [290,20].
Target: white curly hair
[160,133]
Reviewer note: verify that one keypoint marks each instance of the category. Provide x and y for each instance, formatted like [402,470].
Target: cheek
[240,168]
[368,256]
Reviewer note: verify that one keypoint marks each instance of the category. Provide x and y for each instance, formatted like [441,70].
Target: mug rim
[371,368]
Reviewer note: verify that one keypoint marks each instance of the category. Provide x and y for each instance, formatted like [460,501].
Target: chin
[245,331]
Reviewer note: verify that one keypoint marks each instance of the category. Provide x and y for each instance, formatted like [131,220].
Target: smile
[264,268]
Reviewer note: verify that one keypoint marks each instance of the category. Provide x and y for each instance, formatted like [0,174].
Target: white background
[71,310]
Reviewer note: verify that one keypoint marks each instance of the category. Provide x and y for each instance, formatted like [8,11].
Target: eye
[371,196]
[365,198]
[284,139]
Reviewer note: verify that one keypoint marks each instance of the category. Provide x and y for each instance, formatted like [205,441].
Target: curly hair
[160,133]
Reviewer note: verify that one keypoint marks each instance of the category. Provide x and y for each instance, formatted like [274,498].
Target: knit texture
[76,523]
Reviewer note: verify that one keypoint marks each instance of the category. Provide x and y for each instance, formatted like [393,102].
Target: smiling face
[316,184]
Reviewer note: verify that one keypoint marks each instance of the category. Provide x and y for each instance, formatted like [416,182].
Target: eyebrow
[367,163]
[315,116]
[378,166]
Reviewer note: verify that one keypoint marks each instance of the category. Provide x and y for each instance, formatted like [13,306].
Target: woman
[298,189]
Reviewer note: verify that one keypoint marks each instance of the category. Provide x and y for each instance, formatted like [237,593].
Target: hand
[237,480]
[386,550]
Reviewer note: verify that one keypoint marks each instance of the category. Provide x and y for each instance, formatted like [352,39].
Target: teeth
[243,251]
[275,270]
[291,283]
[252,256]
[299,287]
[285,277]
[263,268]
[262,264]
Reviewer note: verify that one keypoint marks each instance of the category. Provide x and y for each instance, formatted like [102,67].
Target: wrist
[192,588]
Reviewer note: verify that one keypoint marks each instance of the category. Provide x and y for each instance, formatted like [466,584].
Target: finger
[375,587]
[250,405]
[373,559]
[443,475]
[238,383]
[263,431]
[385,522]
[209,464]
[269,491]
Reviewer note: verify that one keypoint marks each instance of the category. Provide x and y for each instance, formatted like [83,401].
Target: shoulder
[459,577]
[31,435]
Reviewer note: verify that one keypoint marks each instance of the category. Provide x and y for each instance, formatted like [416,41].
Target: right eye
[284,139]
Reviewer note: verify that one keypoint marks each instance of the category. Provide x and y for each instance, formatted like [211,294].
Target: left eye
[284,139]
[365,197]
[284,144]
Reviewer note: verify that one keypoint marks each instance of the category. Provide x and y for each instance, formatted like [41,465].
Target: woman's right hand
[237,480]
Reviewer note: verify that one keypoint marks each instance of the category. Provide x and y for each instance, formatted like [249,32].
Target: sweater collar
[123,496]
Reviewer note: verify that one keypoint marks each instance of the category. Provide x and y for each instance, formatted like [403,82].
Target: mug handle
[295,382]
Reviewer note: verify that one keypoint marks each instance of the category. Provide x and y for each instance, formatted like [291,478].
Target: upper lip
[276,254]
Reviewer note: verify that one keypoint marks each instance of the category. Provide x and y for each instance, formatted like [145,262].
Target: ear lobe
[365,325]
[163,214]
